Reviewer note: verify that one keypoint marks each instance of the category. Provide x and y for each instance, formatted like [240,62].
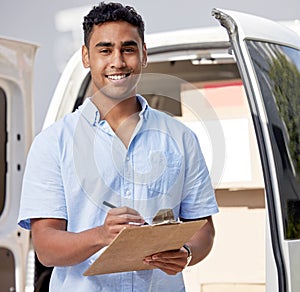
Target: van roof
[187,36]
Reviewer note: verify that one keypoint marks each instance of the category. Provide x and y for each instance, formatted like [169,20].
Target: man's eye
[104,51]
[128,50]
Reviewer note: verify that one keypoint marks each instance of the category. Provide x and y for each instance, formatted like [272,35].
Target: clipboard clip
[164,216]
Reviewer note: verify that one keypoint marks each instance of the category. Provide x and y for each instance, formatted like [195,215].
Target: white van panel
[17,61]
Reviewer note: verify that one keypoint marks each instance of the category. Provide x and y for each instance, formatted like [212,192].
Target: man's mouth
[117,76]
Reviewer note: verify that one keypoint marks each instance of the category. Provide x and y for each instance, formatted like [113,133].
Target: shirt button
[127,193]
[127,158]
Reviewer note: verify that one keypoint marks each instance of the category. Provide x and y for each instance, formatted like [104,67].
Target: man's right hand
[119,218]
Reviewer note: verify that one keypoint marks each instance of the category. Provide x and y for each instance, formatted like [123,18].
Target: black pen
[108,204]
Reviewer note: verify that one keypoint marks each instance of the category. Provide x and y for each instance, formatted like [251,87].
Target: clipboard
[128,250]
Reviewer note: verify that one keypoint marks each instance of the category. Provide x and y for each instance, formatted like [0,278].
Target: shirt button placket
[127,278]
[128,180]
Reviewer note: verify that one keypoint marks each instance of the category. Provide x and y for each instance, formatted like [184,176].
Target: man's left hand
[171,262]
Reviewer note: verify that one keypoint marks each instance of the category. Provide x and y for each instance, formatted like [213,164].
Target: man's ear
[144,60]
[85,57]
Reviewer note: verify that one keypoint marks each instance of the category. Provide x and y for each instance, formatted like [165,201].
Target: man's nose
[118,60]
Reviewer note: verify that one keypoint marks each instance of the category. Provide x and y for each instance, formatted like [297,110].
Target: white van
[238,88]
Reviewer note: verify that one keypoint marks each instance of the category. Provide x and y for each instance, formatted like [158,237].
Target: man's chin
[117,94]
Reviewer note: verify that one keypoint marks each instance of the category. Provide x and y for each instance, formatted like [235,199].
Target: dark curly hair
[106,12]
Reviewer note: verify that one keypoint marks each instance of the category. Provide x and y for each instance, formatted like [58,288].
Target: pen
[108,204]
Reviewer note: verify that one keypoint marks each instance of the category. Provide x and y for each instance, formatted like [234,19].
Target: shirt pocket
[168,175]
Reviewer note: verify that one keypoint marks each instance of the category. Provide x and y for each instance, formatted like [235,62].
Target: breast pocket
[168,171]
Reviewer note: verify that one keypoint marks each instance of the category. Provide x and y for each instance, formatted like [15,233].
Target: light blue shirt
[78,162]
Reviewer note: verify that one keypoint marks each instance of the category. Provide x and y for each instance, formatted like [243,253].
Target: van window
[3,141]
[278,73]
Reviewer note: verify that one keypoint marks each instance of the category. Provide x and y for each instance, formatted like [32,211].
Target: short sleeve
[42,189]
[198,194]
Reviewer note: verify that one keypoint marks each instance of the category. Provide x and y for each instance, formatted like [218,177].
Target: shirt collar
[89,110]
[144,104]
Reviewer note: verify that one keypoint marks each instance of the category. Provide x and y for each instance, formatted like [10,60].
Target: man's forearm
[62,248]
[202,241]
[57,247]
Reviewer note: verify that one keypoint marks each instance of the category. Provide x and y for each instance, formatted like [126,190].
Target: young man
[114,148]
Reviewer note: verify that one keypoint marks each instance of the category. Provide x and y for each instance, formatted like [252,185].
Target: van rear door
[16,133]
[268,57]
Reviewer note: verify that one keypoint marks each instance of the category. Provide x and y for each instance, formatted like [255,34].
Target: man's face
[115,57]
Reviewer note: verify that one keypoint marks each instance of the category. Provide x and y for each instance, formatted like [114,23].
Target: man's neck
[122,115]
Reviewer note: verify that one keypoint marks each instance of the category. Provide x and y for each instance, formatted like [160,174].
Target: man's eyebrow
[129,43]
[104,44]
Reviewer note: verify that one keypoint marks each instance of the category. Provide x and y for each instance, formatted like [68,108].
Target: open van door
[16,134]
[268,58]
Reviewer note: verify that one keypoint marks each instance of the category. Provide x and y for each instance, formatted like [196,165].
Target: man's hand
[171,262]
[119,218]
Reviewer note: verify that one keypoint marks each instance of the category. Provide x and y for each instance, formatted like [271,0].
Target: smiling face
[115,57]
